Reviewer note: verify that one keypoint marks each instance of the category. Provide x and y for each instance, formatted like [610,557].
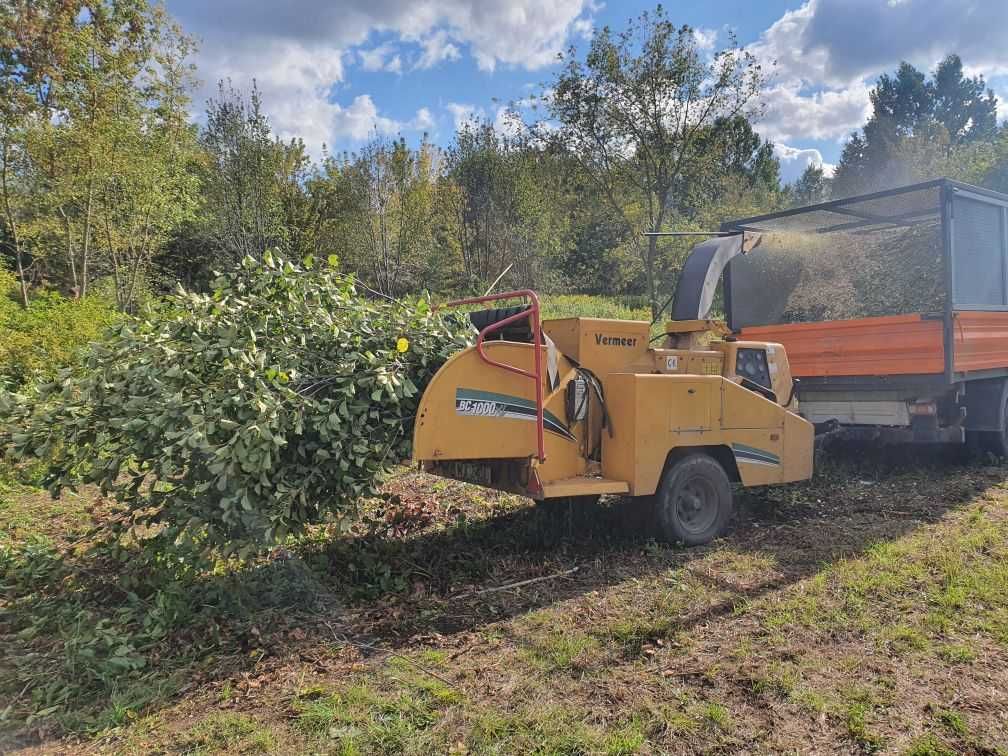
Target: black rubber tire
[693,503]
[996,442]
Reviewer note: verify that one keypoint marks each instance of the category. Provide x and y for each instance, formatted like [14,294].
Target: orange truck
[892,308]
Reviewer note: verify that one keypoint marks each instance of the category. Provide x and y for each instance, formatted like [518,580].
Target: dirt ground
[865,611]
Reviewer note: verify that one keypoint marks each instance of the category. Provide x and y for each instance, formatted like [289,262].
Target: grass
[834,617]
[589,306]
[229,732]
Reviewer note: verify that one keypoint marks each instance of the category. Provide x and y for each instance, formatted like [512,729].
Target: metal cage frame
[949,191]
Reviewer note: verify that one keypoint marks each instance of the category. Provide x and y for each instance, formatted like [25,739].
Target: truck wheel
[694,500]
[996,442]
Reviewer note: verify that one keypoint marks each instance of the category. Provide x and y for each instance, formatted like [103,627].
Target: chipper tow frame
[580,407]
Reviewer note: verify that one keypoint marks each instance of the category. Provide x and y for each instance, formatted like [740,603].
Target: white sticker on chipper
[672,363]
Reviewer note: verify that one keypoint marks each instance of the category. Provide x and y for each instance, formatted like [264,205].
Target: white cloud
[463,113]
[834,43]
[437,48]
[507,122]
[424,120]
[294,81]
[863,37]
[705,38]
[360,119]
[522,33]
[296,49]
[794,161]
[825,56]
[819,115]
[380,58]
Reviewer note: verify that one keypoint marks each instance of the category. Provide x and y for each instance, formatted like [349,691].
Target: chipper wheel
[694,501]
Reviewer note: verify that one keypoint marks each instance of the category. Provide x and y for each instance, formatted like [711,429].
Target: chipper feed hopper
[580,407]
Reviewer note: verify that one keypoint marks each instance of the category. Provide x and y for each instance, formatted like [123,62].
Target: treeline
[106,180]
[920,128]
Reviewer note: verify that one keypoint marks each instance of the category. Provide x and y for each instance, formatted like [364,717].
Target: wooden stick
[521,583]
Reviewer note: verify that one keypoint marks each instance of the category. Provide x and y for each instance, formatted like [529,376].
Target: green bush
[588,306]
[238,417]
[47,336]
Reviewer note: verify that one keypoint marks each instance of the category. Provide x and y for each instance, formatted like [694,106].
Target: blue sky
[335,72]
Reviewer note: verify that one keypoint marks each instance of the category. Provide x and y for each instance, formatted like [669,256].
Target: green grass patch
[227,731]
[953,721]
[930,745]
[568,651]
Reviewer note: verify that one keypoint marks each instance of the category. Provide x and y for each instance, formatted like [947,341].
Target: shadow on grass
[385,592]
[858,498]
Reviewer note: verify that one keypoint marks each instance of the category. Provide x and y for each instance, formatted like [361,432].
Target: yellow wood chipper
[581,407]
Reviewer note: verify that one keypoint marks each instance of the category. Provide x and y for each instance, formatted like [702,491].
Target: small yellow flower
[402,344]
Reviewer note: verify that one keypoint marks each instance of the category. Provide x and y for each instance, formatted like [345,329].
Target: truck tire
[993,442]
[694,501]
[996,442]
[987,417]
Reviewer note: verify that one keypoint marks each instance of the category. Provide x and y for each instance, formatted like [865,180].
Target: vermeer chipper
[581,407]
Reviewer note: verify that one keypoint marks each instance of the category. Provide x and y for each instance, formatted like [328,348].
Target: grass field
[864,611]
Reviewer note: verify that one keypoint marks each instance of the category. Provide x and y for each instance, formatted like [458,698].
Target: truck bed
[891,345]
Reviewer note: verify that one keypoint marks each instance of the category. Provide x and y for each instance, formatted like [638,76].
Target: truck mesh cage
[886,253]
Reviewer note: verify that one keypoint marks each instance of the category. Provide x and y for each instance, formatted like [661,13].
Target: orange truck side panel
[888,345]
[981,341]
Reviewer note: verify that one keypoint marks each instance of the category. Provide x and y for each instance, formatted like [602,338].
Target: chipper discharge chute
[580,407]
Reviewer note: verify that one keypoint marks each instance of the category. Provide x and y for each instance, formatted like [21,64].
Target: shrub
[47,336]
[237,417]
[589,306]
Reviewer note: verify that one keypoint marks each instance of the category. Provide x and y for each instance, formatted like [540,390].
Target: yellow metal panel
[689,405]
[642,406]
[566,334]
[618,443]
[799,440]
[583,486]
[757,453]
[603,346]
[443,431]
[743,408]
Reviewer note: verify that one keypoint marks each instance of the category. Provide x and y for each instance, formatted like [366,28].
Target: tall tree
[507,217]
[242,180]
[36,39]
[811,187]
[912,113]
[392,219]
[90,86]
[639,115]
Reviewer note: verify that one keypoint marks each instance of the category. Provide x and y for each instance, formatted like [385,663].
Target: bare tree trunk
[12,225]
[116,267]
[71,258]
[86,247]
[651,259]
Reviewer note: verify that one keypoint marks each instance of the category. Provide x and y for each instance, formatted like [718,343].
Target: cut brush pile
[235,418]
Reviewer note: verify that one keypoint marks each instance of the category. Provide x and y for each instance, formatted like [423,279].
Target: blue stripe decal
[476,403]
[752,455]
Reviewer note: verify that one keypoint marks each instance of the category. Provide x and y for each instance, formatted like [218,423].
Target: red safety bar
[533,314]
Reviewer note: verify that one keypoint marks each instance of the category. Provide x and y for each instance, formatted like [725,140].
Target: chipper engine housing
[582,407]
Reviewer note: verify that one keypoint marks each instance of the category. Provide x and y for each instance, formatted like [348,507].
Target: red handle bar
[532,313]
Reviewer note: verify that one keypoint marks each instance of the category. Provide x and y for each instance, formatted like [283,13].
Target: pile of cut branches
[234,418]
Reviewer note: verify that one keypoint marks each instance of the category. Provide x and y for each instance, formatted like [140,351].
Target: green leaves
[226,419]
